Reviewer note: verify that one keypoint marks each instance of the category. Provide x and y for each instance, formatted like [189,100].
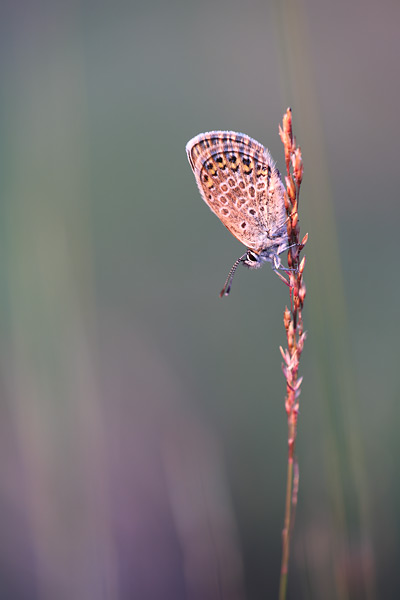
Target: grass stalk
[293,322]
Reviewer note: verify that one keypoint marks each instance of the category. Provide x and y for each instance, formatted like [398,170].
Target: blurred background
[143,441]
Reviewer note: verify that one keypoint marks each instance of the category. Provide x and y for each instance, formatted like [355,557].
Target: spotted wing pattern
[238,180]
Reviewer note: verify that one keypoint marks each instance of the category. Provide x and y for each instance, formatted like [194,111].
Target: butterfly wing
[238,180]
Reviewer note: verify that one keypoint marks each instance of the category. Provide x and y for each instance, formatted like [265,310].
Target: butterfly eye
[252,256]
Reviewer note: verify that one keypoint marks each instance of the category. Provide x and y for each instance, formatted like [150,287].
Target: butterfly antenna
[228,283]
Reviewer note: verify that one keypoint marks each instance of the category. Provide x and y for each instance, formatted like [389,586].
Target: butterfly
[240,183]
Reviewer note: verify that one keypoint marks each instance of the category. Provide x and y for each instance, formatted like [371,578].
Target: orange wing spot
[211,167]
[221,161]
[248,164]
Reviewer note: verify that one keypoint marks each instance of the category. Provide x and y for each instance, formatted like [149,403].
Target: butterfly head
[253,260]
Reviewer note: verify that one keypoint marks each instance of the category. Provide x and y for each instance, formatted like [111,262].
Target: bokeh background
[143,441]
